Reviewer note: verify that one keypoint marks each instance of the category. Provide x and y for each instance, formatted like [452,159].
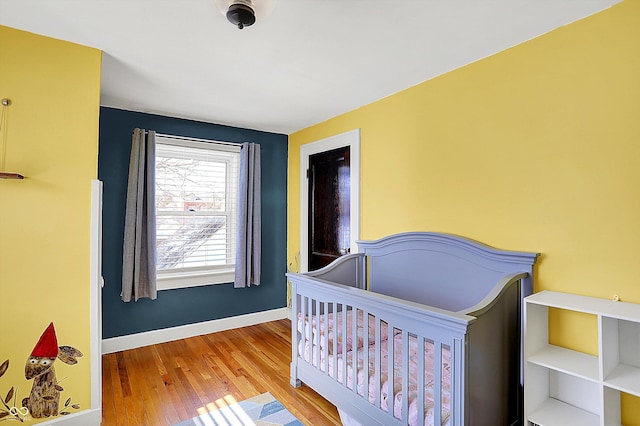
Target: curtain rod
[188,138]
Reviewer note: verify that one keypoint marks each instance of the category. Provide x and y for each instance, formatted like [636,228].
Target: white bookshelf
[565,387]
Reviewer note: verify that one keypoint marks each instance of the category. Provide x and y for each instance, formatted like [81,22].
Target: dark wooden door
[329,203]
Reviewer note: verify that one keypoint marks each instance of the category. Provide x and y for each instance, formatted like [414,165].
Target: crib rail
[331,363]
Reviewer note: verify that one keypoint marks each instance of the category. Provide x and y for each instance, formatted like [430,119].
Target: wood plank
[134,400]
[116,390]
[155,390]
[141,376]
[108,400]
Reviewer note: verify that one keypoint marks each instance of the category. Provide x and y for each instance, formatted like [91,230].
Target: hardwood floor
[167,383]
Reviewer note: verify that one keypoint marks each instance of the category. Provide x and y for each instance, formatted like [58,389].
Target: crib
[417,328]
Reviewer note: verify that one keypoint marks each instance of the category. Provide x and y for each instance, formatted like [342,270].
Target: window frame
[205,275]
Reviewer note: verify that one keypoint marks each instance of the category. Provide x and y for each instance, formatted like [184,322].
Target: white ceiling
[306,62]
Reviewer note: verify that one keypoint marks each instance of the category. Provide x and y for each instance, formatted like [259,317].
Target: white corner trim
[95,322]
[131,341]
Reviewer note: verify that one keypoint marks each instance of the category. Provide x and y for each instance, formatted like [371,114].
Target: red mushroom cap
[47,346]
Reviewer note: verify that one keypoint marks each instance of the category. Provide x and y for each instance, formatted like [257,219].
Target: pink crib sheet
[333,329]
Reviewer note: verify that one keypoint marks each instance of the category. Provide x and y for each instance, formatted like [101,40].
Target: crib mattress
[329,327]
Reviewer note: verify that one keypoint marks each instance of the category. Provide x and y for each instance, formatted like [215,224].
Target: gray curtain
[249,225]
[139,249]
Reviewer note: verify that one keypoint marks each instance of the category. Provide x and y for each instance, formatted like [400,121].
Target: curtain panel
[248,241]
[139,247]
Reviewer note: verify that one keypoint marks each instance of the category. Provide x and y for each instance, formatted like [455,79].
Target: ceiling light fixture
[243,13]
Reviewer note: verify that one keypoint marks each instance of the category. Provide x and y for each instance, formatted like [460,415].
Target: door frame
[352,140]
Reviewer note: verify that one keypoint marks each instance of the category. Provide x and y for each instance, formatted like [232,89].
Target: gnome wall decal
[44,399]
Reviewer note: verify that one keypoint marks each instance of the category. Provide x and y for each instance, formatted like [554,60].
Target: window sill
[194,279]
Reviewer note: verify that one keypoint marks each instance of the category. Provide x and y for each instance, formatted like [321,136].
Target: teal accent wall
[190,305]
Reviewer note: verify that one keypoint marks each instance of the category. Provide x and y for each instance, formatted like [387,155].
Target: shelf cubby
[553,412]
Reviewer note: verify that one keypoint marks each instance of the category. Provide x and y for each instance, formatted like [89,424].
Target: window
[196,201]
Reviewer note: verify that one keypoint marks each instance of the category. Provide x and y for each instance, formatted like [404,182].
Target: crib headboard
[441,270]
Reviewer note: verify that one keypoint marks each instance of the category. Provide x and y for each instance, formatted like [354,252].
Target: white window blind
[196,201]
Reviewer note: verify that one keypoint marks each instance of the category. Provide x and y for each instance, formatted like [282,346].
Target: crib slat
[309,338]
[437,385]
[316,338]
[405,377]
[365,357]
[354,349]
[335,340]
[324,345]
[457,382]
[377,364]
[345,312]
[305,316]
[390,378]
[304,301]
[420,377]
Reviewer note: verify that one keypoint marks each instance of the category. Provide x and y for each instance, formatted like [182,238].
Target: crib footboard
[380,359]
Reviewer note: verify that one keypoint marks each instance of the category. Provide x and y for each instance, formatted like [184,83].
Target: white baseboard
[82,418]
[132,341]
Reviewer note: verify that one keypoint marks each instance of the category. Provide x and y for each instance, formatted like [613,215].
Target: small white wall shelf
[5,175]
[565,387]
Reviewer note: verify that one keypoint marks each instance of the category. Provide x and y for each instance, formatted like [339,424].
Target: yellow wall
[51,137]
[536,148]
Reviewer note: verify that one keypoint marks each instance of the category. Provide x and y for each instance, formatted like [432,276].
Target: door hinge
[307,173]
